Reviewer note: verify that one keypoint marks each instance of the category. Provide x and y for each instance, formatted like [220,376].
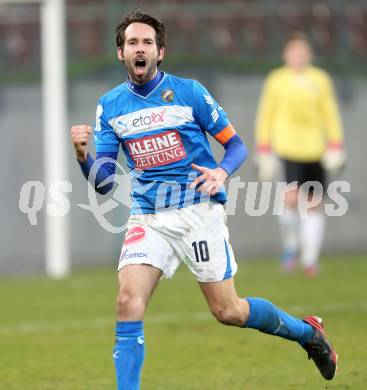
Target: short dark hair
[138,16]
[296,36]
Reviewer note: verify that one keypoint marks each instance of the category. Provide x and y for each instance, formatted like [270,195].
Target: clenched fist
[79,136]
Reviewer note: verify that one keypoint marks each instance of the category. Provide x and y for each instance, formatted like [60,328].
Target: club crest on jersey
[156,150]
[167,95]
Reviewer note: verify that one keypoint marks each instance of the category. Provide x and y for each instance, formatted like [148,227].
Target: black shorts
[301,172]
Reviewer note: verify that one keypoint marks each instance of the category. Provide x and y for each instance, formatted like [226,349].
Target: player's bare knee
[130,305]
[228,315]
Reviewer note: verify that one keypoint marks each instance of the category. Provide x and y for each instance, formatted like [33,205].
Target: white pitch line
[201,316]
[98,323]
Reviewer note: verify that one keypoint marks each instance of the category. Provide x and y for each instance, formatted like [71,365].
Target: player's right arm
[265,114]
[107,145]
[79,136]
[264,159]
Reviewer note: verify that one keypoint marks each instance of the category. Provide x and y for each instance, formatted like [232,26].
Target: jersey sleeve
[209,114]
[265,113]
[330,112]
[105,139]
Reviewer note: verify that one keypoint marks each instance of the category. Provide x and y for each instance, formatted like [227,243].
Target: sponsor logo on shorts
[125,255]
[134,255]
[134,235]
[156,150]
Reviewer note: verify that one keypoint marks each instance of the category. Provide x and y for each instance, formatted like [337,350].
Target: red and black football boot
[320,350]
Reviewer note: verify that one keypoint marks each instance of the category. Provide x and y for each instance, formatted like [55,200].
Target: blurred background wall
[229,46]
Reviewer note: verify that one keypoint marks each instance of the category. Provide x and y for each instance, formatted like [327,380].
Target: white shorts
[196,235]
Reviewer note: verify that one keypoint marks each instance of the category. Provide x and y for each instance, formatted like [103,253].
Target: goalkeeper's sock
[267,318]
[289,227]
[128,354]
[311,234]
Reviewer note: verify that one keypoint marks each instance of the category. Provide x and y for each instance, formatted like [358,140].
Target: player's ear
[120,54]
[160,54]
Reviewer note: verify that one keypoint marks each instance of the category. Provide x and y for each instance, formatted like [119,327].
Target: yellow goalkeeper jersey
[298,114]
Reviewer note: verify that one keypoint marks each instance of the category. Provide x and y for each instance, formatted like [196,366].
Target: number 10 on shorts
[201,251]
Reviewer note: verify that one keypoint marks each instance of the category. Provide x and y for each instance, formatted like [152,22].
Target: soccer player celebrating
[298,121]
[162,122]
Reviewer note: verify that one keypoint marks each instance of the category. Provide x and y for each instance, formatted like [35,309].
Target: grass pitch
[58,335]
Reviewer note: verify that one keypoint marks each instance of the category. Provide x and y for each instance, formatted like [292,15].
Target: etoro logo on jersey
[156,150]
[153,119]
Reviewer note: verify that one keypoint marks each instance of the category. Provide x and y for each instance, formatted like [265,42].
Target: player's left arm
[330,113]
[213,119]
[234,156]
[334,157]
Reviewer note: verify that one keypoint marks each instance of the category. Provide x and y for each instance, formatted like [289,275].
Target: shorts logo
[167,95]
[134,255]
[156,150]
[134,235]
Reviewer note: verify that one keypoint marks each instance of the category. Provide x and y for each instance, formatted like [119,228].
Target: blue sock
[267,318]
[128,354]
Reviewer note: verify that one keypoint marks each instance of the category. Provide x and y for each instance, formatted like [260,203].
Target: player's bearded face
[140,52]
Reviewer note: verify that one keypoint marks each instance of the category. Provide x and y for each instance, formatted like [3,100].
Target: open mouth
[140,65]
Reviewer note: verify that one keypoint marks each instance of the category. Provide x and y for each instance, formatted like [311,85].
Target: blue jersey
[161,135]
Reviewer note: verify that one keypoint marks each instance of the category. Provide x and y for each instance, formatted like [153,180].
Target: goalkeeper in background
[298,121]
